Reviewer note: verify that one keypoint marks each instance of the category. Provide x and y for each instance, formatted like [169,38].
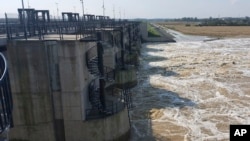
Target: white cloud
[233,1]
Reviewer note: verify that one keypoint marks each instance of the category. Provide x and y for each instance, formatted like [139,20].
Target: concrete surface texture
[30,87]
[126,77]
[112,128]
[49,81]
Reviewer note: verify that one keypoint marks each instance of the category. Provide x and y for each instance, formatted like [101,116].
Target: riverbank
[162,35]
[211,31]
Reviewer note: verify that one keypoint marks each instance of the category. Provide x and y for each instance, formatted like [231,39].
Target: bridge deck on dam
[70,78]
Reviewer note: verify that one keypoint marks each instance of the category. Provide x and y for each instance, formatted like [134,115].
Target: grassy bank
[214,31]
[152,32]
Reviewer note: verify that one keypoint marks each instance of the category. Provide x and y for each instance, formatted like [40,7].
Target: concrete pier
[63,76]
[50,87]
[49,81]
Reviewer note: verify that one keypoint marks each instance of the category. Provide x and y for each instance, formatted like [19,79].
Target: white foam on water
[197,85]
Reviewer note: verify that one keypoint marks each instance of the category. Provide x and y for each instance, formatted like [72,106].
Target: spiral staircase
[133,37]
[101,74]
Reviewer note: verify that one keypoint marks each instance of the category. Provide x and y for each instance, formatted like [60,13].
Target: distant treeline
[216,21]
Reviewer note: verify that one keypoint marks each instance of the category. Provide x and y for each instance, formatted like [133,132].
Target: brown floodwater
[192,90]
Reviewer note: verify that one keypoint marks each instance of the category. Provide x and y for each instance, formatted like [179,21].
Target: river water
[191,90]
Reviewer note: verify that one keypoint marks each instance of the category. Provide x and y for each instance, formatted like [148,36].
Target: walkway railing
[109,74]
[112,108]
[92,64]
[18,30]
[91,54]
[6,104]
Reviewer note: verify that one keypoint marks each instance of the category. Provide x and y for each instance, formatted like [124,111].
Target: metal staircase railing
[92,64]
[95,99]
[94,95]
[92,61]
[94,89]
[113,108]
[6,103]
[126,96]
[102,73]
[109,74]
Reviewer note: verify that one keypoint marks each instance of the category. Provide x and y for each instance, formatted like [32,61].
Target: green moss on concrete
[127,85]
[126,78]
[132,59]
[152,32]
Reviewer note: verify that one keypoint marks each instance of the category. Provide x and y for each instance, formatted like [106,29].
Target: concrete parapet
[111,128]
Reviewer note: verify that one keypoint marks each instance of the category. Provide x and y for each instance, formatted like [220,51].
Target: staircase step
[94,67]
[94,70]
[93,63]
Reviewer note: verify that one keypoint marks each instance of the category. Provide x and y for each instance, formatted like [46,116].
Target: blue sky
[139,8]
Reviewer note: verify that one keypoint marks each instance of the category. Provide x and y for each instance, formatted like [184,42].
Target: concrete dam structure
[163,35]
[71,79]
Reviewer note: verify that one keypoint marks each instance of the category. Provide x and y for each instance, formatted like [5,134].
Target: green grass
[152,32]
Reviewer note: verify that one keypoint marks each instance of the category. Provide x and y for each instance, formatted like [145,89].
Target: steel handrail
[6,103]
[109,73]
[91,54]
[5,67]
[113,108]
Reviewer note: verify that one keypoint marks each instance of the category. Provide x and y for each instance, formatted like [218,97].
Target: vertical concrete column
[55,85]
[30,86]
[71,79]
[101,69]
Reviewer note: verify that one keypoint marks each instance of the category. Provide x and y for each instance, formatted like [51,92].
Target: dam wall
[164,36]
[49,81]
[71,79]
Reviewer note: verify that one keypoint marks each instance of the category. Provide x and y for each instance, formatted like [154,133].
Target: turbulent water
[191,90]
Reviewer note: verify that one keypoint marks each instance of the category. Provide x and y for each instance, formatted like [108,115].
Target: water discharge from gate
[192,90]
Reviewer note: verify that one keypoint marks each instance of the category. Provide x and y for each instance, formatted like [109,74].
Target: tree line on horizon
[227,21]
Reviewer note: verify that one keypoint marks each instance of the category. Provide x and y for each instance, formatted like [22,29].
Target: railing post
[7,25]
[122,48]
[10,100]
[100,53]
[102,93]
[6,104]
[129,35]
